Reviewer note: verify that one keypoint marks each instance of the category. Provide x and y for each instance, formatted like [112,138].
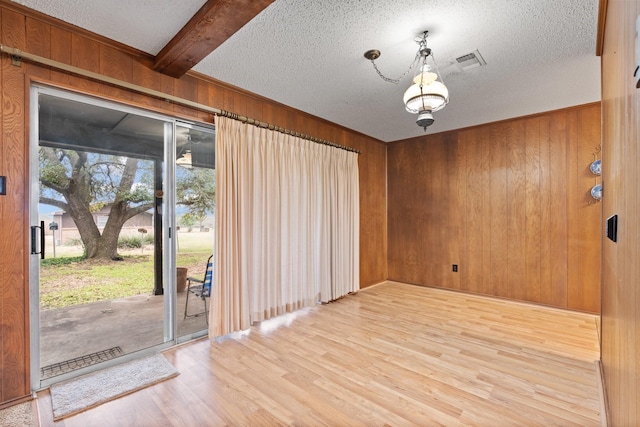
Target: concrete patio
[130,324]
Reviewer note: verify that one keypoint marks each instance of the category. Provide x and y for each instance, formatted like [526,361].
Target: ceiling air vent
[470,61]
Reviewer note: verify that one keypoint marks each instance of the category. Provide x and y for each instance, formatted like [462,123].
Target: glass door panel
[98,188]
[195,218]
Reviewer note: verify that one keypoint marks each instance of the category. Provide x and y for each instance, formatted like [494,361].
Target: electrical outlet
[455,268]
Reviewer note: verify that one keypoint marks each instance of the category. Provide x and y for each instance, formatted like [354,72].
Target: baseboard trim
[602,391]
[16,401]
[373,285]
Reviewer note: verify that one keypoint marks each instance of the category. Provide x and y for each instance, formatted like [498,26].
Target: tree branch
[128,176]
[79,162]
[52,186]
[53,202]
[131,212]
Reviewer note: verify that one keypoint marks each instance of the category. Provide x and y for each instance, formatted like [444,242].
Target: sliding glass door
[103,225]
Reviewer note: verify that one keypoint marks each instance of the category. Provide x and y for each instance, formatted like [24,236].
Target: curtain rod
[17,55]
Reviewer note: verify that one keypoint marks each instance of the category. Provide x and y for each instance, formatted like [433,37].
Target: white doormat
[85,392]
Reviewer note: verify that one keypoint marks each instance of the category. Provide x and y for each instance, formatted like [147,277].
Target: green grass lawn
[69,279]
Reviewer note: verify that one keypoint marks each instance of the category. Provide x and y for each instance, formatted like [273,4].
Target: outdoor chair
[200,288]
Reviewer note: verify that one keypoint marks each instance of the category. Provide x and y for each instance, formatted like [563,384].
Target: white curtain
[287,225]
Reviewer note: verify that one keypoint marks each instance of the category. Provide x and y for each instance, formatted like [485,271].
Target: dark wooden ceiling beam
[215,22]
[602,21]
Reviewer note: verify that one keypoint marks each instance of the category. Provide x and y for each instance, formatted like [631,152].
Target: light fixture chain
[395,81]
[433,58]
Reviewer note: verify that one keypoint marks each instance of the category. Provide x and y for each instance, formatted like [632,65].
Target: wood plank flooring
[391,355]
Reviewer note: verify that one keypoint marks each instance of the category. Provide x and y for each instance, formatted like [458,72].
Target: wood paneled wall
[14,351]
[40,35]
[508,202]
[621,176]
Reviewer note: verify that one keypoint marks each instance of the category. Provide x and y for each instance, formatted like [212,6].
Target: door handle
[34,240]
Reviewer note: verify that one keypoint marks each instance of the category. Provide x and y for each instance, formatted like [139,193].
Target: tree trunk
[107,247]
[89,232]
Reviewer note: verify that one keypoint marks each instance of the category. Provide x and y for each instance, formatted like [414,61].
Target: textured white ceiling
[540,54]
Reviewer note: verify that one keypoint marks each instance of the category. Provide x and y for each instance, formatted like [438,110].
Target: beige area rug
[17,416]
[85,392]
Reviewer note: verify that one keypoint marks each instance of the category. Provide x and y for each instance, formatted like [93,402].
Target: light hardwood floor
[391,355]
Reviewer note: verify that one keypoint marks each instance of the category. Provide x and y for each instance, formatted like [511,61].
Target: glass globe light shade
[430,96]
[185,160]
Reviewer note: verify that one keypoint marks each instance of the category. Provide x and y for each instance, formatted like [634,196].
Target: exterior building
[67,231]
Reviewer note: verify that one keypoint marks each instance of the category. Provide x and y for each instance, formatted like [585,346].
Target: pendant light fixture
[185,159]
[427,92]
